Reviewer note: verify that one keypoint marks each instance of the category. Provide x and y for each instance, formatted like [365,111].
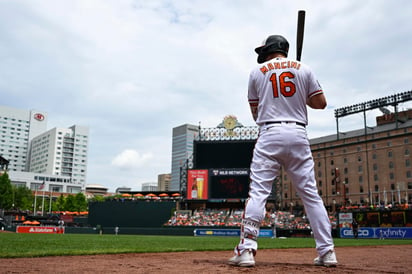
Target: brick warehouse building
[365,166]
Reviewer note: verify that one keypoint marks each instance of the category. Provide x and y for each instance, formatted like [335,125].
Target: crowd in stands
[233,218]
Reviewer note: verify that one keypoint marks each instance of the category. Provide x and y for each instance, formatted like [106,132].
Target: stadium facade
[369,166]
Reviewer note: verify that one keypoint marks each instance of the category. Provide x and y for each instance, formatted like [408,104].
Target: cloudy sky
[131,70]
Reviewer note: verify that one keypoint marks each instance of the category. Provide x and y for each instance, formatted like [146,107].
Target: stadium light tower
[381,103]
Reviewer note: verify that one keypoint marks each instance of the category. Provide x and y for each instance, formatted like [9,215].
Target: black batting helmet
[274,43]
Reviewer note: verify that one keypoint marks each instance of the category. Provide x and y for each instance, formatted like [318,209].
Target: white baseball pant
[286,145]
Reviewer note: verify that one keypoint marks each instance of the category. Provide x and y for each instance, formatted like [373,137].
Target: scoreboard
[228,183]
[223,167]
[224,183]
[222,154]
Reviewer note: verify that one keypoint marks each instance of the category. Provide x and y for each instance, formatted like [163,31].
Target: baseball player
[278,92]
[274,220]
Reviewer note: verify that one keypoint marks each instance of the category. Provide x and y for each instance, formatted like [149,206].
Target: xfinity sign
[378,232]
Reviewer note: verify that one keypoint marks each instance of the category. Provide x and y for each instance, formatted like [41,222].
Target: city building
[17,128]
[44,182]
[95,190]
[123,189]
[163,182]
[182,149]
[4,163]
[61,151]
[56,159]
[149,187]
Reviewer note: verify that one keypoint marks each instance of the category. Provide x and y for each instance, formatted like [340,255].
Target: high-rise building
[56,159]
[163,182]
[17,129]
[182,149]
[61,151]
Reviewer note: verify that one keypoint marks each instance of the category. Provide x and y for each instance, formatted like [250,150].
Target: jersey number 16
[286,87]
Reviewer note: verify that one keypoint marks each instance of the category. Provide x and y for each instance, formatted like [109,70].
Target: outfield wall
[125,213]
[188,231]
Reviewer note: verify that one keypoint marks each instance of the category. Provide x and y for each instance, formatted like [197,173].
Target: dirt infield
[375,259]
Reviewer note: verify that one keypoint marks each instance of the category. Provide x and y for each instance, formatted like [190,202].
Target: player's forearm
[254,116]
[317,101]
[254,109]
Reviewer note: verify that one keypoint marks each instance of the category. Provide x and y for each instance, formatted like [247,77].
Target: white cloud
[130,159]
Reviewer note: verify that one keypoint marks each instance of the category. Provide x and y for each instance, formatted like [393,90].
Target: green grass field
[13,245]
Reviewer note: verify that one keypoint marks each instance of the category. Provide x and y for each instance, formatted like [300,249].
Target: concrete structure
[58,156]
[163,182]
[44,182]
[149,187]
[123,189]
[95,190]
[61,151]
[17,128]
[182,149]
[4,163]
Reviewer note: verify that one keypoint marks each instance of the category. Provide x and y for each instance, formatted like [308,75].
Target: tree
[80,202]
[23,197]
[76,202]
[97,199]
[70,203]
[60,203]
[6,192]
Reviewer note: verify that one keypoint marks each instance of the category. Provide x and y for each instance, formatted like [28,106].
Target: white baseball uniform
[280,88]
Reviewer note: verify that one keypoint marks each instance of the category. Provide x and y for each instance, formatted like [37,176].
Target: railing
[223,134]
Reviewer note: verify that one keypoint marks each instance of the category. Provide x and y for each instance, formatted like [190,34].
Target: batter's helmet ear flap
[261,58]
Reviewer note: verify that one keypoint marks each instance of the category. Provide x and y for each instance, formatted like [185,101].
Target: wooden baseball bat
[300,32]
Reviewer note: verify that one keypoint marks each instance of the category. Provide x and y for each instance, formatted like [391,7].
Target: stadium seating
[233,217]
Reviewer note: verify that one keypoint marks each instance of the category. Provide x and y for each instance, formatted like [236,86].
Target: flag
[42,185]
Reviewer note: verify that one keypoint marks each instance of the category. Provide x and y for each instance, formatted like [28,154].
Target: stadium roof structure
[381,103]
[361,132]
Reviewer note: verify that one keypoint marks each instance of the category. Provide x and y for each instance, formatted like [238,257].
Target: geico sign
[361,232]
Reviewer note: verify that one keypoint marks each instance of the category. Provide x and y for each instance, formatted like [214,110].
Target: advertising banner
[345,220]
[228,232]
[197,184]
[379,232]
[40,229]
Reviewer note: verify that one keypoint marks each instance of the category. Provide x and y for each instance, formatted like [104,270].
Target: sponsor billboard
[345,219]
[197,184]
[265,233]
[379,232]
[39,229]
